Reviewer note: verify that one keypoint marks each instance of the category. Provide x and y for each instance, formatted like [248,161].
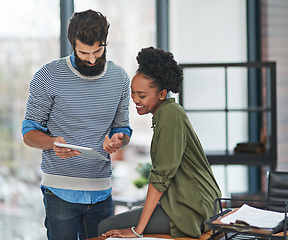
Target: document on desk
[255,217]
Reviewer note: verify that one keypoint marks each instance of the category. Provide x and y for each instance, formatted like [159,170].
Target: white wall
[210,31]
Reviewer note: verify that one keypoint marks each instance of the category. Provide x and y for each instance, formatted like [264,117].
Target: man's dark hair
[88,27]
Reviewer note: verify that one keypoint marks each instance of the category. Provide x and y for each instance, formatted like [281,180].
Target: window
[215,96]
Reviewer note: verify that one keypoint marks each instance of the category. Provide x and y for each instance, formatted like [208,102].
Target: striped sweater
[82,110]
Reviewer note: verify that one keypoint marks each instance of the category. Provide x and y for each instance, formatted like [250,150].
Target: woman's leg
[158,223]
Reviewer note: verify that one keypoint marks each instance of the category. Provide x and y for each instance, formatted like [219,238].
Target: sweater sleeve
[126,130]
[167,147]
[39,102]
[121,118]
[29,125]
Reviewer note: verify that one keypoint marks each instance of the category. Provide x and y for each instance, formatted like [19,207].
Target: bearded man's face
[89,60]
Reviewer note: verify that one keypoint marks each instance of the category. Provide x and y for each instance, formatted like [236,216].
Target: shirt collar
[72,59]
[164,103]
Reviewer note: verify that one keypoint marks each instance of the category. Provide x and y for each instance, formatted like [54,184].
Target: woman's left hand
[123,233]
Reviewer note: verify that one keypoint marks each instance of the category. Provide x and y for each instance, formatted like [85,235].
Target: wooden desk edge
[204,236]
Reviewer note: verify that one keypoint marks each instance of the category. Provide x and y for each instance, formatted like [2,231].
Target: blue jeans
[68,221]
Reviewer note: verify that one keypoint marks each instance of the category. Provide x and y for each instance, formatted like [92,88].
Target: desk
[204,236]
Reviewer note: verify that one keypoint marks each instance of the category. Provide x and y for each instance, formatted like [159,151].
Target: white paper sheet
[255,217]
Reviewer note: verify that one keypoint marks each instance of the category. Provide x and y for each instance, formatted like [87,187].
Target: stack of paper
[255,217]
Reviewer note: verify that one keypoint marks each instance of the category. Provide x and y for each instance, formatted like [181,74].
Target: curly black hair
[161,68]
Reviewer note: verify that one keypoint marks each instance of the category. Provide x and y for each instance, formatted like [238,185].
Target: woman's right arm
[152,199]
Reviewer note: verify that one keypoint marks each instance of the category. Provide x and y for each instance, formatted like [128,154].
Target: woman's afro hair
[161,67]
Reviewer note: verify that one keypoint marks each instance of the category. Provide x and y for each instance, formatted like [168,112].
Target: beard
[84,69]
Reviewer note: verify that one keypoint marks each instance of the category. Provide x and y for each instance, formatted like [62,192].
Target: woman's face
[145,95]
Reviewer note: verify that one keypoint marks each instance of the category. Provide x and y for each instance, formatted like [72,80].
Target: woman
[181,177]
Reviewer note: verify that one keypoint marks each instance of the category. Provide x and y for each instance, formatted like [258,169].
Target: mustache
[99,60]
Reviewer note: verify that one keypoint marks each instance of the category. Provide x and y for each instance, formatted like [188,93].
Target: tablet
[85,152]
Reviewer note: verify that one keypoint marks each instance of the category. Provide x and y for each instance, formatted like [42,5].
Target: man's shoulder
[50,69]
[56,62]
[115,67]
[53,64]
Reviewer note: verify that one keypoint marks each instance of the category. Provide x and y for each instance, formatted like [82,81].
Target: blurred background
[196,32]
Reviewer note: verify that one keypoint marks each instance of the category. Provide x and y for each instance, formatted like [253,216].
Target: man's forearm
[38,139]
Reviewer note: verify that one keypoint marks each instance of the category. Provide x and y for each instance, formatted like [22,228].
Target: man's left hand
[113,144]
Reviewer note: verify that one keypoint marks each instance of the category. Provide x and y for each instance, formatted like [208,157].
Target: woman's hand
[123,233]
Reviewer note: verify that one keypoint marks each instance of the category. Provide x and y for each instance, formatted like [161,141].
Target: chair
[277,190]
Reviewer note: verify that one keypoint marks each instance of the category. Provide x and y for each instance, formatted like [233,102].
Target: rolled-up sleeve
[167,148]
[126,130]
[29,125]
[161,183]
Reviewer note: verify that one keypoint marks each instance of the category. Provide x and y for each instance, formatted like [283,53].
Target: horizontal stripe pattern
[82,110]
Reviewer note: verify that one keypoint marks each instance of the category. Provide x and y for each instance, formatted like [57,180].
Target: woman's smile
[146,97]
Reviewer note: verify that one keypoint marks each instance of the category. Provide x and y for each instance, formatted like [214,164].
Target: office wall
[210,31]
[275,48]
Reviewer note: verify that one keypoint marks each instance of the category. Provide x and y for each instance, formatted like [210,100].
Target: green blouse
[181,169]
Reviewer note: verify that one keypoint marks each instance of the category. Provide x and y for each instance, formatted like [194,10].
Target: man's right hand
[41,140]
[64,152]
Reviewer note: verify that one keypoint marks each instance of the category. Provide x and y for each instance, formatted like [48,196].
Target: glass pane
[237,128]
[226,175]
[196,94]
[210,128]
[237,87]
[266,85]
[237,179]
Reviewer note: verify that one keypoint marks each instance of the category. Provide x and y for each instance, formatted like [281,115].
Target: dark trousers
[158,223]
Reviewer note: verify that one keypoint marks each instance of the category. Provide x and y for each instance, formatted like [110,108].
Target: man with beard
[81,99]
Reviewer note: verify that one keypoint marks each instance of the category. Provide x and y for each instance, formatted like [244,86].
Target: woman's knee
[120,221]
[102,227]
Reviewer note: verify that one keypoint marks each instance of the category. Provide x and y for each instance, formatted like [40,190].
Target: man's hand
[113,144]
[64,152]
